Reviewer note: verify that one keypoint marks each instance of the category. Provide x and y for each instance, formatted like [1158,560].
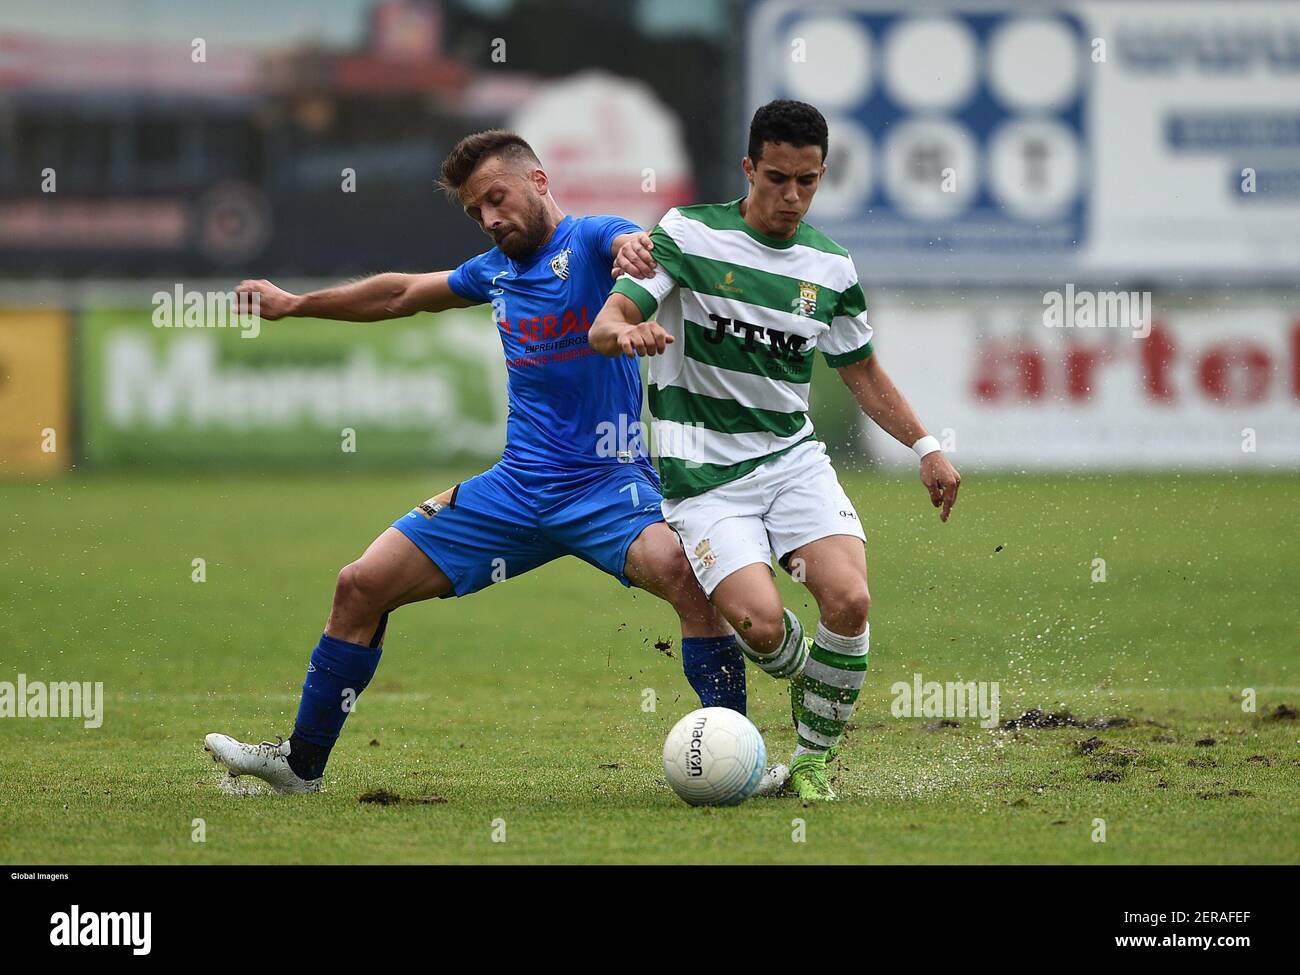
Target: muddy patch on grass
[940,725]
[380,797]
[383,797]
[1283,712]
[1038,718]
[1206,742]
[1110,722]
[1089,745]
[1109,775]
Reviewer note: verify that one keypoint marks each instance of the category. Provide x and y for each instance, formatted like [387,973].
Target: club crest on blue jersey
[560,264]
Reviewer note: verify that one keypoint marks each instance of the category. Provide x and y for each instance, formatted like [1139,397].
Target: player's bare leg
[835,571]
[823,694]
[391,573]
[749,601]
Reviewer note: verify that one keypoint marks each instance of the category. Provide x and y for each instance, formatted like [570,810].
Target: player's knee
[845,611]
[355,592]
[762,631]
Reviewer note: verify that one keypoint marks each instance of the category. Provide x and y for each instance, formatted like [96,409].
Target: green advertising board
[299,392]
[421,391]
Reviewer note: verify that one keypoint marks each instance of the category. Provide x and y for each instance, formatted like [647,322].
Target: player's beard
[528,236]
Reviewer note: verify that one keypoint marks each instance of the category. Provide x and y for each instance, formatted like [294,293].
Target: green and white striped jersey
[746,312]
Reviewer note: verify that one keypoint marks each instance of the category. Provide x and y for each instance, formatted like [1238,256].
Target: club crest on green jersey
[806,303]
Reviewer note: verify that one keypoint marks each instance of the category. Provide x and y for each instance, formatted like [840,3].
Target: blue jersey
[564,396]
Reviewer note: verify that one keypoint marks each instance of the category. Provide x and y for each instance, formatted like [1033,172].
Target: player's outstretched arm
[620,330]
[371,299]
[881,400]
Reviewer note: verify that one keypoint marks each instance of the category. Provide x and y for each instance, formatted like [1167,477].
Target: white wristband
[926,445]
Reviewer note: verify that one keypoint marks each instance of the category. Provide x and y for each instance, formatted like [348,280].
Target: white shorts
[775,508]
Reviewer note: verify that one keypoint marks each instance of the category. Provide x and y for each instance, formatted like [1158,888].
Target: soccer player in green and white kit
[740,296]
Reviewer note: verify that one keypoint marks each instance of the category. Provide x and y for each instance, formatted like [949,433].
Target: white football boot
[268,761]
[773,781]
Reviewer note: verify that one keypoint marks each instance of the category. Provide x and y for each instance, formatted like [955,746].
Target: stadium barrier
[1010,380]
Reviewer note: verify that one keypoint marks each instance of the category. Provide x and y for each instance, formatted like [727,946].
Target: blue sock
[715,667]
[339,671]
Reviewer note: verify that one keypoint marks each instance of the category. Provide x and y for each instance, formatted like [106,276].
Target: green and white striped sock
[788,659]
[822,697]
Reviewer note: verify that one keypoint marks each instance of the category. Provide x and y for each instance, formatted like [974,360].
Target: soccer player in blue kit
[564,485]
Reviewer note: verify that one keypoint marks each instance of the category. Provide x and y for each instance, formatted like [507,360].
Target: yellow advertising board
[36,435]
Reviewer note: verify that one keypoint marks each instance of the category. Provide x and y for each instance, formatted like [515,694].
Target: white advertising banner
[991,142]
[1204,381]
[1195,137]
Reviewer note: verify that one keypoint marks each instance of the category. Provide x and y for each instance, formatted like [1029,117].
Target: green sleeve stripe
[853,302]
[847,358]
[644,300]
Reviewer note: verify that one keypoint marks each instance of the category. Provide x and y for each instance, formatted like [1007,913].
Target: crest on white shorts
[704,552]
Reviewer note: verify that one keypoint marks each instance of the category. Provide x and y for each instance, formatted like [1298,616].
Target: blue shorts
[509,520]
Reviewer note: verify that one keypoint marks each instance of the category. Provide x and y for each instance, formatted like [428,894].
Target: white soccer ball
[714,757]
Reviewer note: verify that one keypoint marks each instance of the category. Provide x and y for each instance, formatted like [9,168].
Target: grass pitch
[517,714]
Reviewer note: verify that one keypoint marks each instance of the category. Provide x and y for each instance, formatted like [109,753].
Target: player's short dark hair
[473,149]
[784,120]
